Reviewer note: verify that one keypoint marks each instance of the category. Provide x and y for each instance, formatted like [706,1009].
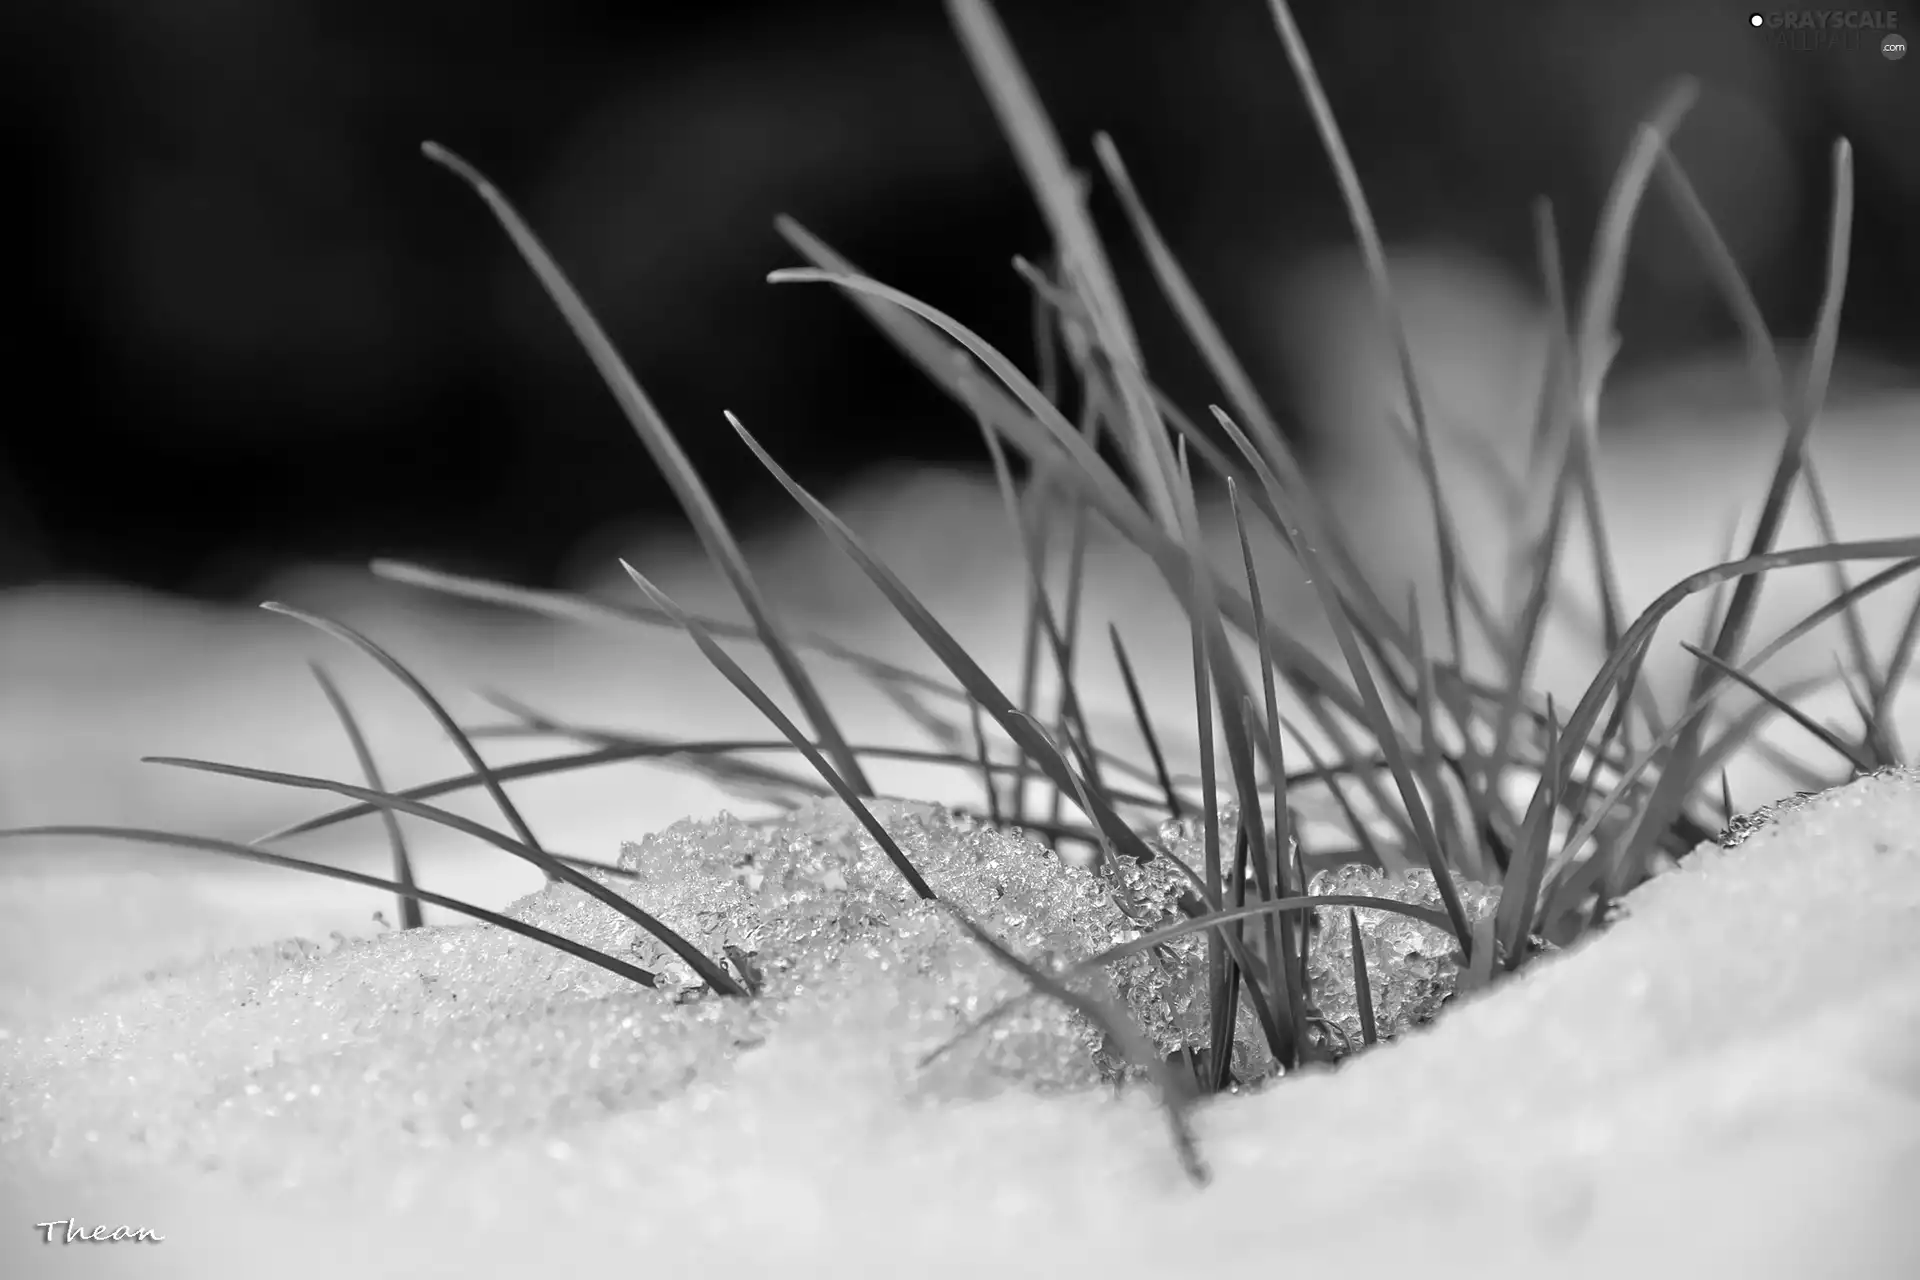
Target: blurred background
[255,328]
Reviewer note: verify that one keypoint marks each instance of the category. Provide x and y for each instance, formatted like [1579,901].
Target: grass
[1430,737]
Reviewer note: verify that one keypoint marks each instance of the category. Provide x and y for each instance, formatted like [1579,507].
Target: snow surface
[1726,1083]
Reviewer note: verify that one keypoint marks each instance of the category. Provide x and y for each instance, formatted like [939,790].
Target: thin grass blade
[247,853]
[1362,985]
[1041,157]
[667,455]
[1174,807]
[410,917]
[711,973]
[739,679]
[483,771]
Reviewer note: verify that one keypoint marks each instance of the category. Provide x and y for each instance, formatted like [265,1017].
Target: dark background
[253,325]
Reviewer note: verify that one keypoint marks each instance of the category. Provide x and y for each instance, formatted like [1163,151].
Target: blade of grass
[1217,968]
[1362,834]
[956,757]
[667,455]
[1595,344]
[1855,625]
[1869,743]
[1863,711]
[1042,159]
[1281,979]
[739,679]
[1033,525]
[987,783]
[566,607]
[711,973]
[410,917]
[340,631]
[247,853]
[622,751]
[1360,215]
[1362,987]
[1057,642]
[1898,663]
[1520,892]
[1284,988]
[733,776]
[1174,808]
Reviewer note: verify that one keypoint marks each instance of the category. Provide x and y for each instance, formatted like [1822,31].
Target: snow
[1728,1082]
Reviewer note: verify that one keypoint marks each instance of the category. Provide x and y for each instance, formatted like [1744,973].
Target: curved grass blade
[1826,736]
[913,755]
[410,917]
[619,751]
[1595,345]
[483,771]
[711,973]
[733,776]
[568,607]
[739,679]
[948,650]
[247,853]
[667,455]
[1374,253]
[1712,755]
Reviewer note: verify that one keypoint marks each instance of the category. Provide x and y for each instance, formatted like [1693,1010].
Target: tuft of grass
[1417,744]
